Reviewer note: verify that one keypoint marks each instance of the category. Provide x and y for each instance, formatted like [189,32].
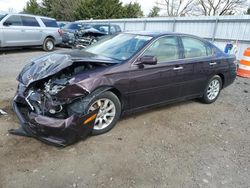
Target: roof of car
[153,33]
[22,14]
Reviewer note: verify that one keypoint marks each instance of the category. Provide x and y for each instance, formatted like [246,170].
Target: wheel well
[222,78]
[51,37]
[117,93]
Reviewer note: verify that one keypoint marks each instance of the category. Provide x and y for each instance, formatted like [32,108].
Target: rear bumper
[233,74]
[58,132]
[58,40]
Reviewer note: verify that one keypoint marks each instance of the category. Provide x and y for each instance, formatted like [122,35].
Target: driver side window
[15,20]
[164,49]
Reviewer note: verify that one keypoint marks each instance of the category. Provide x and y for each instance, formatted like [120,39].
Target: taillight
[236,62]
[60,31]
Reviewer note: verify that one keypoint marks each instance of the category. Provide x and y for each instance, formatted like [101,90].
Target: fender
[80,106]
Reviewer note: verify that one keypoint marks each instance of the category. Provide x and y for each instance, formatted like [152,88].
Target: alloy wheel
[213,89]
[106,113]
[49,45]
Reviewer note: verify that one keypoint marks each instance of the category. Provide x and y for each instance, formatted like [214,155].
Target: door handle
[213,63]
[22,30]
[177,68]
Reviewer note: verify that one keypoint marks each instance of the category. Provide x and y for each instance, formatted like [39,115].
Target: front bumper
[68,39]
[59,132]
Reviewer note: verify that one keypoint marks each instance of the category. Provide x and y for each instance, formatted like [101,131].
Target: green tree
[248,11]
[132,10]
[32,7]
[154,12]
[46,8]
[69,10]
[98,9]
[64,9]
[59,9]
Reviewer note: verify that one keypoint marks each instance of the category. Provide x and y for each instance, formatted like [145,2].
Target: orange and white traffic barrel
[244,66]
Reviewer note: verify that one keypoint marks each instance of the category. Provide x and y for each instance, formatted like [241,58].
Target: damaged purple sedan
[65,96]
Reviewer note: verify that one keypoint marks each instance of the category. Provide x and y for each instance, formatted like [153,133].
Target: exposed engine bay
[42,96]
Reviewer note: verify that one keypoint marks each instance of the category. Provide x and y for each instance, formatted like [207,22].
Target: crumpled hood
[93,30]
[52,63]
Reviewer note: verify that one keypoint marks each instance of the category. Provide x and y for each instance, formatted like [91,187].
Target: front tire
[109,113]
[212,90]
[48,44]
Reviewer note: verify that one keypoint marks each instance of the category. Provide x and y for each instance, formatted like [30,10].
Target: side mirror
[6,23]
[146,60]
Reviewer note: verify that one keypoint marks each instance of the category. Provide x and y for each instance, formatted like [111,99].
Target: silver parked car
[28,30]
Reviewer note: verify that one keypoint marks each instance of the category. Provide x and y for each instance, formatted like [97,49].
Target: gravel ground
[188,144]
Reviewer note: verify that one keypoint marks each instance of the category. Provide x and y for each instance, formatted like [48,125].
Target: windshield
[121,47]
[2,16]
[73,26]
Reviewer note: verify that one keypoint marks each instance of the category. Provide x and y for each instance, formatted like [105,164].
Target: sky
[17,5]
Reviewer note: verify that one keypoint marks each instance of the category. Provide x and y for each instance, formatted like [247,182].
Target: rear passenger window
[14,20]
[103,29]
[30,21]
[49,23]
[195,48]
[118,29]
[112,30]
[165,49]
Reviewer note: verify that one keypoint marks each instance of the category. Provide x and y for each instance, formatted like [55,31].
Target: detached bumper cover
[59,132]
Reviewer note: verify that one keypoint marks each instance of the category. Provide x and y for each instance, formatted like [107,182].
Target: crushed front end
[59,132]
[46,119]
[41,105]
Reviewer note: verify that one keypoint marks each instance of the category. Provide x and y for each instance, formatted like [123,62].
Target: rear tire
[212,90]
[48,44]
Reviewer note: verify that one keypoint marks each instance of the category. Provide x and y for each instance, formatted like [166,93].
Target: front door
[154,84]
[13,32]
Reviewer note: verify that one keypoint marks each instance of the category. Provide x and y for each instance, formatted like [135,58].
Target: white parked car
[28,30]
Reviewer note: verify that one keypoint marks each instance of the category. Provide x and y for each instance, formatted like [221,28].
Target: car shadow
[19,50]
[5,51]
[157,108]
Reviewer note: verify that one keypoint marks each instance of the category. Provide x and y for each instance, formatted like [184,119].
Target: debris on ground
[3,112]
[205,181]
[245,91]
[248,109]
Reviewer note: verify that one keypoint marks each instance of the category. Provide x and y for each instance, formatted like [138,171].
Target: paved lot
[188,144]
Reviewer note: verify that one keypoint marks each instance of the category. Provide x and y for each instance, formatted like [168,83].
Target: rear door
[154,84]
[32,30]
[198,55]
